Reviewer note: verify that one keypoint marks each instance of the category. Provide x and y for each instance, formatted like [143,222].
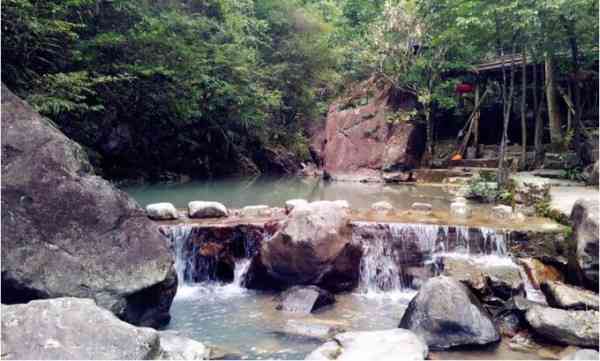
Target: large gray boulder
[70,329]
[67,232]
[565,296]
[579,328]
[395,344]
[584,218]
[312,247]
[446,314]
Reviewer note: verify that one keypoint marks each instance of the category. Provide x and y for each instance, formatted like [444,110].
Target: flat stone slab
[532,178]
[564,197]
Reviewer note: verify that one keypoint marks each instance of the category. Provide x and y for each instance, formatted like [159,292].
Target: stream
[246,324]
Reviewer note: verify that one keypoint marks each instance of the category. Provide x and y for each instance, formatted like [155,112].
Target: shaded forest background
[223,87]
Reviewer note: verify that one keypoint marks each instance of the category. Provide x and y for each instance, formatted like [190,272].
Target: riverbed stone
[304,299]
[579,328]
[204,209]
[539,272]
[502,280]
[176,347]
[72,328]
[161,211]
[582,354]
[256,211]
[382,206]
[502,212]
[585,216]
[312,328]
[293,203]
[372,345]
[420,207]
[312,247]
[68,232]
[446,314]
[560,295]
[460,210]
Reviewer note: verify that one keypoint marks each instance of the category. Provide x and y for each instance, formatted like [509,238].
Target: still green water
[239,192]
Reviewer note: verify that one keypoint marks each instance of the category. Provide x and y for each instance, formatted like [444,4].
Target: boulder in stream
[312,328]
[446,314]
[176,347]
[304,299]
[382,206]
[161,211]
[312,247]
[256,211]
[582,354]
[539,272]
[560,295]
[584,218]
[293,203]
[579,328]
[67,232]
[203,209]
[372,345]
[72,328]
[460,210]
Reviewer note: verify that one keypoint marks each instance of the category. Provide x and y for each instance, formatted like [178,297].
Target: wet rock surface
[161,211]
[372,345]
[312,328]
[560,295]
[585,217]
[72,233]
[359,140]
[202,209]
[176,347]
[539,272]
[446,314]
[304,299]
[72,328]
[311,247]
[579,328]
[582,354]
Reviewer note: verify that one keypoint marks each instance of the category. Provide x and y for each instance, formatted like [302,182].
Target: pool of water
[246,324]
[239,192]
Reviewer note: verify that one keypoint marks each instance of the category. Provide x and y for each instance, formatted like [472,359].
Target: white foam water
[381,274]
[189,291]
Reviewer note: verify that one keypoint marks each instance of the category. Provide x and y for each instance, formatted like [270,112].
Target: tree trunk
[503,171]
[538,136]
[551,100]
[524,112]
[476,122]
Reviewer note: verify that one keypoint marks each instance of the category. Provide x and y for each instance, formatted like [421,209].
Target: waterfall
[379,270]
[179,237]
[199,258]
[396,253]
[241,267]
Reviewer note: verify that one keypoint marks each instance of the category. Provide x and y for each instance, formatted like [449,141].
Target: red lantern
[464,88]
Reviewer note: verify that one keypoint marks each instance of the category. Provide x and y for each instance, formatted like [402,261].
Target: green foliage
[212,79]
[482,188]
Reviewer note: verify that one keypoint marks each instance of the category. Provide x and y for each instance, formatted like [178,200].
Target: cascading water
[179,237]
[392,252]
[193,266]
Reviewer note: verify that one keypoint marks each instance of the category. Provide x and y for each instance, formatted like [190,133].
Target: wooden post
[476,121]
[551,100]
[523,111]
[569,113]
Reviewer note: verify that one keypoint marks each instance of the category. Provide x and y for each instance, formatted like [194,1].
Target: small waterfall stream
[198,260]
[394,252]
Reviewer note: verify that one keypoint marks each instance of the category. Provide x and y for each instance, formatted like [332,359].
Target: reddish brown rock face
[361,141]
